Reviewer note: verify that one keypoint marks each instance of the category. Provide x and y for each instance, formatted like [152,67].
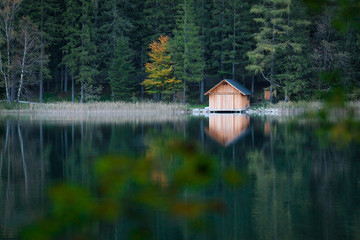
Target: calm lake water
[296,185]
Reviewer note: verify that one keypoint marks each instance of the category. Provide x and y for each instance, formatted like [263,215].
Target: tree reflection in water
[155,183]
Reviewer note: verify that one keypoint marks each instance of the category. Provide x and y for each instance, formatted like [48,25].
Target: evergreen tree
[79,49]
[160,17]
[186,48]
[202,21]
[272,15]
[240,38]
[122,72]
[218,37]
[292,64]
[110,24]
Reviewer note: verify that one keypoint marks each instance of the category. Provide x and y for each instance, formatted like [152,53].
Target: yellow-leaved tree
[160,77]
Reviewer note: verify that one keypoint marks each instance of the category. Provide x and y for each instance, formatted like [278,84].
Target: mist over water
[295,185]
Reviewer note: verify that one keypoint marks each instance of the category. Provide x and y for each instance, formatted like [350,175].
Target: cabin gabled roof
[235,85]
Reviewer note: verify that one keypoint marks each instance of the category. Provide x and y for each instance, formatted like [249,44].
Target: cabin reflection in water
[227,128]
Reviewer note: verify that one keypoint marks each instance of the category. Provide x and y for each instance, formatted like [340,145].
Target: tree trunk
[252,84]
[11,83]
[185,50]
[82,91]
[234,44]
[222,39]
[202,83]
[6,81]
[272,66]
[142,73]
[22,69]
[41,85]
[62,79]
[66,79]
[72,88]
[41,54]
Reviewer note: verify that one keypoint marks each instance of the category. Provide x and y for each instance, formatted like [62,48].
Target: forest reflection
[292,185]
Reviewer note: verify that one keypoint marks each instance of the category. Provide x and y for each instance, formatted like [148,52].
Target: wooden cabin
[228,96]
[226,129]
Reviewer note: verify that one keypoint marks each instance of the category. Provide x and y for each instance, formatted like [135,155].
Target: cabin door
[227,102]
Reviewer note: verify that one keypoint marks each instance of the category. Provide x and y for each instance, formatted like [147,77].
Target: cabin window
[224,83]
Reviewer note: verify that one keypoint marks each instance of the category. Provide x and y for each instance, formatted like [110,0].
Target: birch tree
[8,10]
[30,57]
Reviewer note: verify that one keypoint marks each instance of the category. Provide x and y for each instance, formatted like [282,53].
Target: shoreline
[98,107]
[288,109]
[153,109]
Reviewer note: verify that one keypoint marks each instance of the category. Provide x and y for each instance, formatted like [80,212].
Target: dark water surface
[296,186]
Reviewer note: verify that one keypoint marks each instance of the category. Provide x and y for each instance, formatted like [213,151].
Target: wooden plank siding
[228,102]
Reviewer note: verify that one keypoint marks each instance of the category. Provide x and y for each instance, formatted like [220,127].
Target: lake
[282,178]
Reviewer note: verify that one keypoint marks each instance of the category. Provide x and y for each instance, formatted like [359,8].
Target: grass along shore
[303,107]
[125,107]
[157,108]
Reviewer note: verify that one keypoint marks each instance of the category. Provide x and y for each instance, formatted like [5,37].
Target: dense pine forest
[175,50]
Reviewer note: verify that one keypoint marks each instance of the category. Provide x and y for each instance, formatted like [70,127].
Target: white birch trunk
[22,67]
[5,81]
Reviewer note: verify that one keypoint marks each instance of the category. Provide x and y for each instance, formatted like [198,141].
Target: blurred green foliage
[339,125]
[347,15]
[128,187]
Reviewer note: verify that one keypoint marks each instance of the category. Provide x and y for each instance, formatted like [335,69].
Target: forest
[175,50]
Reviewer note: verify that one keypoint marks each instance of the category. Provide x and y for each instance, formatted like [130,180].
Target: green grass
[50,97]
[192,106]
[14,106]
[285,105]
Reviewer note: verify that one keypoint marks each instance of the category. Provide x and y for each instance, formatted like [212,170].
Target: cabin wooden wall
[228,102]
[224,89]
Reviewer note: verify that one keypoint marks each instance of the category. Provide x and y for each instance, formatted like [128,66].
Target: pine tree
[160,17]
[122,72]
[240,38]
[202,21]
[292,64]
[186,48]
[111,22]
[272,16]
[218,37]
[79,49]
